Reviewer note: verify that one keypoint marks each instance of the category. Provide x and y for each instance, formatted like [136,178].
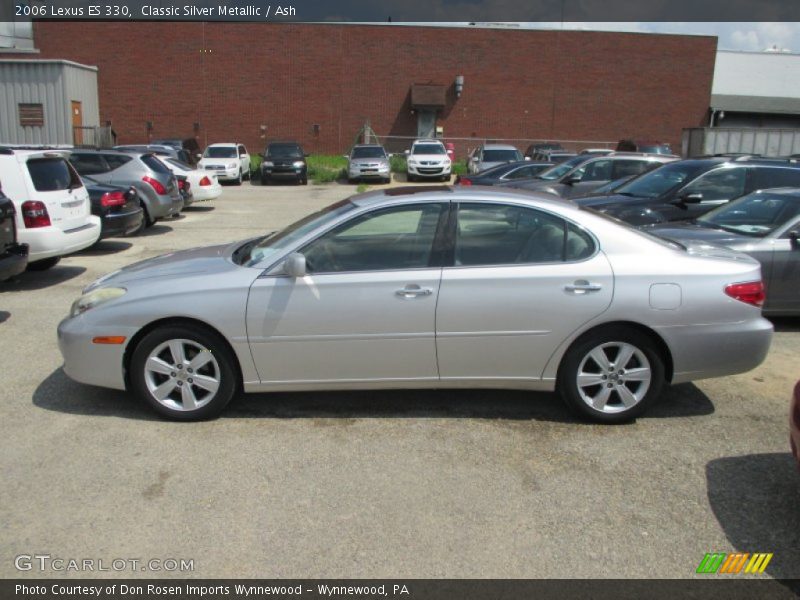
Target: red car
[794,424]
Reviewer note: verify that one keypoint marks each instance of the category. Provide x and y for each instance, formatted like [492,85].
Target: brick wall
[233,78]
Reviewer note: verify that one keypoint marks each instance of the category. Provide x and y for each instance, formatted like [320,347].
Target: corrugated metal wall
[54,85]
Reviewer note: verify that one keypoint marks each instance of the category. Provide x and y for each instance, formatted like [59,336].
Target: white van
[54,213]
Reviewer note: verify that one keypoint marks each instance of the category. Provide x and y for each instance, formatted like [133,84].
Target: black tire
[387,180]
[304,181]
[410,177]
[238,180]
[148,220]
[351,181]
[224,371]
[264,179]
[44,264]
[610,341]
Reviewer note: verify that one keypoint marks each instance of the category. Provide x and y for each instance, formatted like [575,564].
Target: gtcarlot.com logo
[733,564]
[46,562]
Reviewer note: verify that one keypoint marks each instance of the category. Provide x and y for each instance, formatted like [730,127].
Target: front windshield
[757,214]
[220,152]
[368,152]
[501,155]
[428,149]
[263,249]
[284,151]
[663,179]
[563,168]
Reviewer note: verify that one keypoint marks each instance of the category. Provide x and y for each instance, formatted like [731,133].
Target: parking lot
[378,484]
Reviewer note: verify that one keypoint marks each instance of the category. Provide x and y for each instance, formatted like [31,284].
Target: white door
[522,281]
[426,123]
[366,310]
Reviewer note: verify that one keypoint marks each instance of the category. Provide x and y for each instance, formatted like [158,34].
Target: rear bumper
[47,242]
[13,261]
[794,424]
[206,192]
[718,349]
[160,206]
[117,224]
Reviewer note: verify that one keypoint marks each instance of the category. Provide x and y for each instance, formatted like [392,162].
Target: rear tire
[44,264]
[596,387]
[184,373]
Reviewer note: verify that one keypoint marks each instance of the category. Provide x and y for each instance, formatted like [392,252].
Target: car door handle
[413,291]
[582,287]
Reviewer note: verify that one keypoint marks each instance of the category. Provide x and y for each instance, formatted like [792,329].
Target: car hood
[209,261]
[369,161]
[217,161]
[433,157]
[697,233]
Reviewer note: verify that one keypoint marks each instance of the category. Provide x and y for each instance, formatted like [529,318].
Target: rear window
[88,164]
[155,164]
[52,174]
[115,161]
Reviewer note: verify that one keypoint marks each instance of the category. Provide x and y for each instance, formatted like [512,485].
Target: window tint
[428,149]
[242,150]
[116,160]
[773,177]
[719,184]
[88,164]
[757,214]
[284,151]
[388,239]
[155,164]
[628,168]
[498,234]
[52,174]
[501,155]
[220,152]
[368,152]
[598,170]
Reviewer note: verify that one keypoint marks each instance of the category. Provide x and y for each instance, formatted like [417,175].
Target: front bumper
[283,172]
[794,424]
[47,242]
[430,171]
[13,261]
[369,173]
[86,362]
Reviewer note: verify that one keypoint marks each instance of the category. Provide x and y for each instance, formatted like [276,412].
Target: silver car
[411,288]
[491,155]
[368,161]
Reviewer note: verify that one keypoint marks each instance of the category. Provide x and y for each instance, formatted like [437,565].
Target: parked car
[284,161]
[155,184]
[204,185]
[687,189]
[229,161]
[119,208]
[157,149]
[506,172]
[487,156]
[427,159]
[585,172]
[794,424]
[409,288]
[184,187]
[368,161]
[53,211]
[763,224]
[534,150]
[648,146]
[187,148]
[13,255]
[596,151]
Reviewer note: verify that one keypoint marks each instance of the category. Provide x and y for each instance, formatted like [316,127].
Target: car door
[715,187]
[520,282]
[784,276]
[365,311]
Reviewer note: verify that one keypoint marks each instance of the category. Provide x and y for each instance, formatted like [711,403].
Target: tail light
[750,292]
[34,214]
[157,185]
[205,181]
[181,184]
[113,199]
[464,181]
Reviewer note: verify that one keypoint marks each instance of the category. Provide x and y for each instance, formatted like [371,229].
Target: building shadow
[104,247]
[61,394]
[37,280]
[756,500]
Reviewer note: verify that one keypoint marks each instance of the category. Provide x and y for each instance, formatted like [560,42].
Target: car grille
[430,171]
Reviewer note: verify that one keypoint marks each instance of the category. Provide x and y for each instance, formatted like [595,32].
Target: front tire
[611,376]
[238,180]
[184,373]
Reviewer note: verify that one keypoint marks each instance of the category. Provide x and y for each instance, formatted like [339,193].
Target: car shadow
[195,208]
[61,394]
[4,315]
[157,229]
[37,280]
[755,500]
[786,324]
[104,247]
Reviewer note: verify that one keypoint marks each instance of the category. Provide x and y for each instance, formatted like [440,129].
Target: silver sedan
[424,288]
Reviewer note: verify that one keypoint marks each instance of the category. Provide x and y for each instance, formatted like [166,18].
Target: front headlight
[95,298]
[298,163]
[267,163]
[232,166]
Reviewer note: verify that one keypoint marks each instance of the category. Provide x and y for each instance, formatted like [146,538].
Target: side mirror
[693,198]
[295,265]
[572,179]
[794,239]
[407,152]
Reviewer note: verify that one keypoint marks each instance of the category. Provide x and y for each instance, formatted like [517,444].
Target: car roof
[428,141]
[224,145]
[499,147]
[367,146]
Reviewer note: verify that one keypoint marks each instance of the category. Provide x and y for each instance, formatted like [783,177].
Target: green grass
[460,167]
[397,163]
[362,187]
[324,168]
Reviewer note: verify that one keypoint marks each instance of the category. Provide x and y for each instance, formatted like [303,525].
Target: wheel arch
[186,321]
[651,334]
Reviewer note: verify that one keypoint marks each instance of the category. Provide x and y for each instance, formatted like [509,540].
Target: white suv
[54,213]
[230,162]
[428,159]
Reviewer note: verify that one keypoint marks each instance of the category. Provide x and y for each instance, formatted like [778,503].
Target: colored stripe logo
[733,564]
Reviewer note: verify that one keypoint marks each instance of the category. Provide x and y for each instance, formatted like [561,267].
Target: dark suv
[686,189]
[13,256]
[285,161]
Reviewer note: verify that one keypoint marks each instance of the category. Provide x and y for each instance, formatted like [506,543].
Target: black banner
[712,588]
[373,11]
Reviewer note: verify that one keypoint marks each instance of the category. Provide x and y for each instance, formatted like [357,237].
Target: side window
[598,170]
[88,164]
[771,177]
[628,168]
[116,160]
[242,150]
[500,234]
[388,239]
[719,184]
[579,244]
[521,173]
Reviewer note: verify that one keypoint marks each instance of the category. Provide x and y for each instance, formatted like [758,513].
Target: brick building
[318,84]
